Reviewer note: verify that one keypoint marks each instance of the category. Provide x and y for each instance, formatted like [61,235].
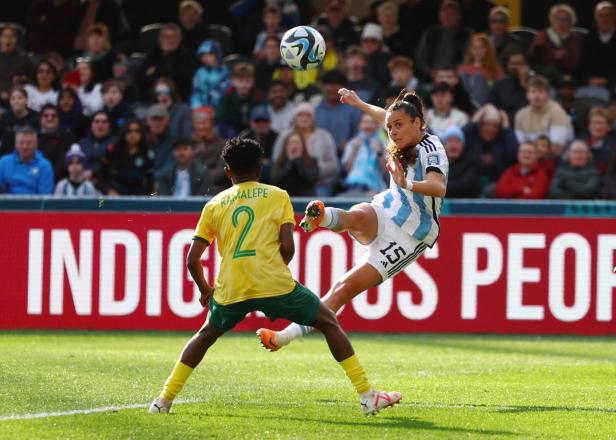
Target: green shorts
[300,306]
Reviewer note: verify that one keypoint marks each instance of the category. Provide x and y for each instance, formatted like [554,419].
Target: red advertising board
[486,274]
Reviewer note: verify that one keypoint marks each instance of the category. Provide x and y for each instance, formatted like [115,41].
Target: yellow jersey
[245,220]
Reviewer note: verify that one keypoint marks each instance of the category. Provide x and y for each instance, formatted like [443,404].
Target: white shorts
[392,250]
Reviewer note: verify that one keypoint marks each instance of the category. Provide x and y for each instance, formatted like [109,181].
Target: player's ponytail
[411,104]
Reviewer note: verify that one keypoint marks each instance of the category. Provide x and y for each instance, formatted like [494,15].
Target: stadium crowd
[97,101]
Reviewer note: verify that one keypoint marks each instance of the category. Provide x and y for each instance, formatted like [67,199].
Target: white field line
[73,412]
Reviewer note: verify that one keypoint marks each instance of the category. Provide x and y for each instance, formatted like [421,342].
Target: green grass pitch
[454,386]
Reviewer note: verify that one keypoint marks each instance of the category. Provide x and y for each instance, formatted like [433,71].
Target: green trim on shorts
[300,306]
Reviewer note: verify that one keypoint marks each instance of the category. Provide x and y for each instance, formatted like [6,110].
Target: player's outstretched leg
[371,401]
[353,283]
[191,356]
[314,215]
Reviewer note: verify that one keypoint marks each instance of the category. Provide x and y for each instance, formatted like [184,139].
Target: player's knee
[326,317]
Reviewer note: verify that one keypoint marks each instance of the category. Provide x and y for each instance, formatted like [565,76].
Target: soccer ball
[302,48]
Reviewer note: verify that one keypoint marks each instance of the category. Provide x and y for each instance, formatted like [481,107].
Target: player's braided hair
[412,104]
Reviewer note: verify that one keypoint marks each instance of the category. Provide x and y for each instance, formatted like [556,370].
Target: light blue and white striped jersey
[416,214]
[65,188]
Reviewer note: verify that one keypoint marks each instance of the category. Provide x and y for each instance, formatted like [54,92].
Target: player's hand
[349,97]
[396,172]
[204,299]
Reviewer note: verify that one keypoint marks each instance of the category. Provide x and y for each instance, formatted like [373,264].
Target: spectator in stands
[52,26]
[115,105]
[212,79]
[89,92]
[53,140]
[99,52]
[464,173]
[545,156]
[15,65]
[235,105]
[339,119]
[96,143]
[395,38]
[266,68]
[209,148]
[491,142]
[402,73]
[372,46]
[576,108]
[333,55]
[577,177]
[504,42]
[524,180]
[180,114]
[127,165]
[76,184]
[194,30]
[158,137]
[600,137]
[109,12]
[294,170]
[261,130]
[45,87]
[310,93]
[280,108]
[509,93]
[444,44]
[72,119]
[598,61]
[320,145]
[187,176]
[25,170]
[343,27]
[364,161]
[543,116]
[557,49]
[480,69]
[170,60]
[609,180]
[442,114]
[355,67]
[272,17]
[461,99]
[18,115]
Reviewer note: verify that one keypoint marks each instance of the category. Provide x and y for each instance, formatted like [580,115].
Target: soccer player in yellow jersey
[253,225]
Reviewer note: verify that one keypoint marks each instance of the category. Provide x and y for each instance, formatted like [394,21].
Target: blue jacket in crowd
[34,177]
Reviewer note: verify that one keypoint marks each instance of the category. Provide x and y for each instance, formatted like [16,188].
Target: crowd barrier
[498,267]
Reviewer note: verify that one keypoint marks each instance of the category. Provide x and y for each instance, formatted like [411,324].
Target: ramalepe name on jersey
[251,193]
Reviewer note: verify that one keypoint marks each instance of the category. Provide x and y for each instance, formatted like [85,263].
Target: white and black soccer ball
[302,48]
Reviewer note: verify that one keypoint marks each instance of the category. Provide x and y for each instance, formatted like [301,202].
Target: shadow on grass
[513,409]
[390,422]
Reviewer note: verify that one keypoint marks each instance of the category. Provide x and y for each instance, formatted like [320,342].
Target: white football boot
[160,406]
[374,401]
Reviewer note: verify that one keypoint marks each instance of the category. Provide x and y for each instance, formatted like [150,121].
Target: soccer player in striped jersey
[253,226]
[398,224]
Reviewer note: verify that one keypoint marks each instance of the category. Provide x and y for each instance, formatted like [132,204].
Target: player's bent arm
[434,185]
[193,262]
[287,245]
[352,98]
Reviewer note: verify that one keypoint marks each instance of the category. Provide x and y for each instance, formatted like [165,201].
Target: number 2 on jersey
[239,252]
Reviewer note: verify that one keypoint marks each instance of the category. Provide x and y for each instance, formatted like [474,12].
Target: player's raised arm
[350,97]
[287,245]
[193,262]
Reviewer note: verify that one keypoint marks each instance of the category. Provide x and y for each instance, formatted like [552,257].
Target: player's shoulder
[429,144]
[274,190]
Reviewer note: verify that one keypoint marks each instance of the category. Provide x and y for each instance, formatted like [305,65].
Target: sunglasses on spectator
[163,91]
[83,60]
